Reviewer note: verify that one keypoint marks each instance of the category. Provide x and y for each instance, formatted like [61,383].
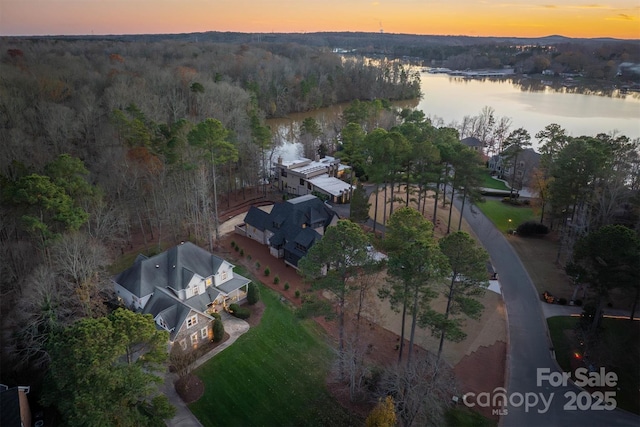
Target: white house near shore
[320,176]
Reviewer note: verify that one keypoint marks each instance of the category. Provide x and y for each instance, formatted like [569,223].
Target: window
[301,181]
[196,290]
[204,333]
[183,344]
[309,185]
[208,282]
[192,321]
[521,164]
[223,276]
[283,172]
[519,173]
[194,338]
[162,323]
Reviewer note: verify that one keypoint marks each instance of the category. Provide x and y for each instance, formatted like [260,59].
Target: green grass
[563,348]
[489,182]
[273,375]
[500,214]
[619,340]
[460,416]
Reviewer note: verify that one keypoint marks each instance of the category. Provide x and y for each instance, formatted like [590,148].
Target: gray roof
[171,309]
[471,141]
[173,268]
[10,408]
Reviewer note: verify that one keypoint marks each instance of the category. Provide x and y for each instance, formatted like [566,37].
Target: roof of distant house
[471,141]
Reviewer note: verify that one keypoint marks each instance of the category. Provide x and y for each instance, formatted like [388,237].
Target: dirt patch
[190,388]
[483,371]
[257,310]
[538,255]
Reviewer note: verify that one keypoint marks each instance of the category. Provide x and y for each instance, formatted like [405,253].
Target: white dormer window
[162,323]
[223,276]
[192,321]
[196,290]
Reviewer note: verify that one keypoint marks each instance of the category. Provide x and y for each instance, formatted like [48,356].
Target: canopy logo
[499,399]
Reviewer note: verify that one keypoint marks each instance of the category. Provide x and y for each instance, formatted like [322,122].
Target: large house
[516,170]
[180,288]
[291,228]
[320,176]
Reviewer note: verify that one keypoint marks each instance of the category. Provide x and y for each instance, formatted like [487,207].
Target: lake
[451,98]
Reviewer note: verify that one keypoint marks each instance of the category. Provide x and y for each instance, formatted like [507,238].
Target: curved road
[529,346]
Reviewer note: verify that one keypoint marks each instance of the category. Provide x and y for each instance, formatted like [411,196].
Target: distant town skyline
[508,18]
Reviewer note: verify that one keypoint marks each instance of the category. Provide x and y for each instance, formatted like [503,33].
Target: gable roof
[173,268]
[471,141]
[293,221]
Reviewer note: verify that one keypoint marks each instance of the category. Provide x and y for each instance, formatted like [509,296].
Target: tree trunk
[464,198]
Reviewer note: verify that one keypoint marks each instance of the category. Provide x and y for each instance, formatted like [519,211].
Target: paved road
[529,345]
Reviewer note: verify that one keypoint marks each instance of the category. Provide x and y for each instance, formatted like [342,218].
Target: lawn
[619,345]
[489,182]
[500,214]
[273,375]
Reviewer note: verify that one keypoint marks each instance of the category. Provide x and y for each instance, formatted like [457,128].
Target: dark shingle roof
[173,268]
[10,408]
[171,309]
[471,141]
[291,221]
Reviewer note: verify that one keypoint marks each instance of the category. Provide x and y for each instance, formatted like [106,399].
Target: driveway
[184,417]
[529,346]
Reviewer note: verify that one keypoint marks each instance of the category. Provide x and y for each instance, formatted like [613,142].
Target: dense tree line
[110,143]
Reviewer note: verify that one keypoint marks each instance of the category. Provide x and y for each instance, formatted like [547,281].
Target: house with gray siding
[180,288]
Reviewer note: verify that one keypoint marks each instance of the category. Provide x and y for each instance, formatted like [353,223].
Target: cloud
[624,17]
[550,6]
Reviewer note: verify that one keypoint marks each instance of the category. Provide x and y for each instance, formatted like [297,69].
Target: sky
[516,18]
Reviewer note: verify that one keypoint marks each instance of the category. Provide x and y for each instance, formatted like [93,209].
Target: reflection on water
[530,103]
[286,130]
[452,98]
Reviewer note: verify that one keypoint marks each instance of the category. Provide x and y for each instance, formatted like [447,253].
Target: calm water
[452,98]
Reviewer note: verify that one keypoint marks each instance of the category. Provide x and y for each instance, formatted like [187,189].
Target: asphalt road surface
[533,400]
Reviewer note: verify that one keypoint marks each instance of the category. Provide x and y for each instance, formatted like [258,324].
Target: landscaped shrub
[249,257]
[239,312]
[276,280]
[253,294]
[218,330]
[237,248]
[267,272]
[233,243]
[286,286]
[241,252]
[257,265]
[297,293]
[216,315]
[532,228]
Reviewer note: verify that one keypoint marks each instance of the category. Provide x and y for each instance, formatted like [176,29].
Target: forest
[111,143]
[106,144]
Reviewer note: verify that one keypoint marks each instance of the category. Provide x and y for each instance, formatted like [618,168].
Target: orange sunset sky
[523,18]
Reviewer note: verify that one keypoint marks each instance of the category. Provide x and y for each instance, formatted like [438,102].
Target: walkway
[184,418]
